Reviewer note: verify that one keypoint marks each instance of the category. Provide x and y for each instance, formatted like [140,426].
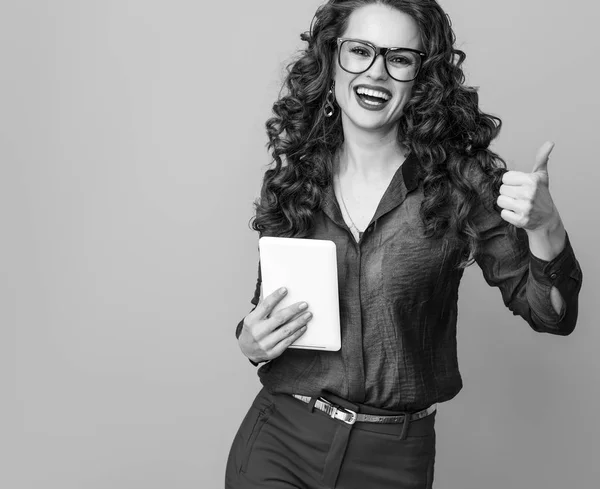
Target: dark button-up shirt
[398,294]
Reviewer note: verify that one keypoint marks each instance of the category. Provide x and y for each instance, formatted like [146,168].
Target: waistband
[349,416]
[364,408]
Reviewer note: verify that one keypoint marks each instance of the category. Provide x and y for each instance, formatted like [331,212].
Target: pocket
[259,423]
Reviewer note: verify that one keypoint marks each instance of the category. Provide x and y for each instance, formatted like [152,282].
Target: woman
[387,155]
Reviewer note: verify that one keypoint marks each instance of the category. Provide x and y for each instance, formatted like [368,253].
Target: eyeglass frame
[379,50]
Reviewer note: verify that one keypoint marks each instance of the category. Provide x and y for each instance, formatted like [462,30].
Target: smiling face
[382,26]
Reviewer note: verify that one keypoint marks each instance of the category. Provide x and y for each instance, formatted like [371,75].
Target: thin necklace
[344,203]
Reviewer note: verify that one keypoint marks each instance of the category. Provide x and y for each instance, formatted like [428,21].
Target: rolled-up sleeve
[525,281]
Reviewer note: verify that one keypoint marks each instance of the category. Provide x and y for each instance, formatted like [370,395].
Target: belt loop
[405,424]
[311,404]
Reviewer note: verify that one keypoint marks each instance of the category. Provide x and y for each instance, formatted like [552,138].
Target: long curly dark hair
[441,124]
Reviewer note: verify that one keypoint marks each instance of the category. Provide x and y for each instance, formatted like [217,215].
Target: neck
[370,156]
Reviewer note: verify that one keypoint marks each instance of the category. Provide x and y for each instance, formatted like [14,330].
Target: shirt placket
[404,180]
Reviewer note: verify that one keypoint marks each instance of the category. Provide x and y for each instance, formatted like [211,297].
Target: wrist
[242,345]
[554,226]
[547,242]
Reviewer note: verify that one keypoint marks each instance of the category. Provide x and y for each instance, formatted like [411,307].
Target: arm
[254,301]
[546,245]
[527,282]
[264,335]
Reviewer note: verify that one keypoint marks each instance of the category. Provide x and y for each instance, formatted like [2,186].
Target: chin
[372,122]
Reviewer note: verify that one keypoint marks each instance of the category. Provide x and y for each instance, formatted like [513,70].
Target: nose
[377,70]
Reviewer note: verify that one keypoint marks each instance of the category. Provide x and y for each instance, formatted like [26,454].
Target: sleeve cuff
[556,270]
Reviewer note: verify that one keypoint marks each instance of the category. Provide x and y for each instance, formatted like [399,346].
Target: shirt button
[553,276]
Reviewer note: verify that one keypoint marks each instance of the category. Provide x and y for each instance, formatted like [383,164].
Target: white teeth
[372,103]
[372,93]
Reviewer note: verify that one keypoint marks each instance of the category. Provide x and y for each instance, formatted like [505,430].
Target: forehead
[384,26]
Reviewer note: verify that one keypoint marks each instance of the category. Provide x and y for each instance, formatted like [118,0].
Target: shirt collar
[405,180]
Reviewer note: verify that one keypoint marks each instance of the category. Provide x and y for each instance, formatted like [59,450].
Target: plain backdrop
[132,146]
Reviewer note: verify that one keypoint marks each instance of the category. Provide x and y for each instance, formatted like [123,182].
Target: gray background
[132,147]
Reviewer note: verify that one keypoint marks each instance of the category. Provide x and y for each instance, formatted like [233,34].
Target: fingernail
[303,305]
[283,290]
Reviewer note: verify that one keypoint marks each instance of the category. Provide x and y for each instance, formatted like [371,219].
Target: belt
[351,417]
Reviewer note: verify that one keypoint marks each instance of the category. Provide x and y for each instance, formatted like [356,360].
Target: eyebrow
[377,45]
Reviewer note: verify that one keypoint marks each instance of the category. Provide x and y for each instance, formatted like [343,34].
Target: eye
[400,60]
[360,51]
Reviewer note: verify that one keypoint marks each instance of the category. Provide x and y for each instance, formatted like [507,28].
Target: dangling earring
[329,107]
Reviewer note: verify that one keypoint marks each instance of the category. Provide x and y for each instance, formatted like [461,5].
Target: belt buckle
[338,412]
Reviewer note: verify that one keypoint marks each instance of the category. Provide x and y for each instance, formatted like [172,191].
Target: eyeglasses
[357,56]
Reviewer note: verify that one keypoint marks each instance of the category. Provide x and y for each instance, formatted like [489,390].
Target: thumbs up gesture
[525,197]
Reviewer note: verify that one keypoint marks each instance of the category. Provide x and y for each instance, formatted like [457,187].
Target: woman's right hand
[264,338]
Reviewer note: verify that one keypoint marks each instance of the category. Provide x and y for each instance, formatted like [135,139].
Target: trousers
[285,443]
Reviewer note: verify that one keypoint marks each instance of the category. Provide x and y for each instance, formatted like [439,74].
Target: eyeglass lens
[357,57]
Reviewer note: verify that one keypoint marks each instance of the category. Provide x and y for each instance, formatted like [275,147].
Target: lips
[372,97]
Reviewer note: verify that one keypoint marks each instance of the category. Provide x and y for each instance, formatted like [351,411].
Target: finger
[266,339]
[513,191]
[266,306]
[509,203]
[513,177]
[542,157]
[289,328]
[283,316]
[266,325]
[511,217]
[286,342]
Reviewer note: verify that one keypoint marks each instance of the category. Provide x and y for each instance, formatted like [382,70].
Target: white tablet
[308,268]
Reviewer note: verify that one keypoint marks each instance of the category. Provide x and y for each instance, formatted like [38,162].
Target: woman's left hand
[525,197]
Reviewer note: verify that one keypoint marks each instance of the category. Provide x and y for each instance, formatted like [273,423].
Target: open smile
[372,98]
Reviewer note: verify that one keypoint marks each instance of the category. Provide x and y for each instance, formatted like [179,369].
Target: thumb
[541,158]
